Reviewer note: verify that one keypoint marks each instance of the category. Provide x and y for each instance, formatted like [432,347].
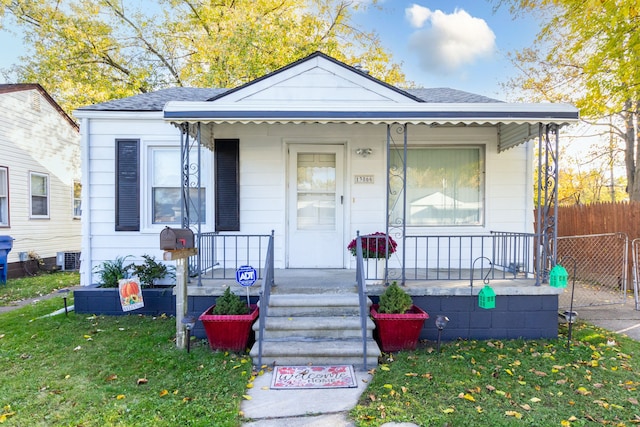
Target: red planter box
[228,332]
[396,332]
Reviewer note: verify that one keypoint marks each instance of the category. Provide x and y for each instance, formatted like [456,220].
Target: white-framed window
[4,196]
[39,190]
[77,199]
[165,188]
[445,186]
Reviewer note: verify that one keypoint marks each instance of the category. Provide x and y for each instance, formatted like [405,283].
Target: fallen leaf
[583,391]
[410,374]
[467,396]
[565,423]
[246,397]
[120,396]
[142,381]
[526,407]
[515,414]
[384,368]
[534,400]
[372,397]
[164,392]
[479,409]
[633,400]
[250,385]
[388,386]
[448,410]
[78,348]
[111,377]
[490,387]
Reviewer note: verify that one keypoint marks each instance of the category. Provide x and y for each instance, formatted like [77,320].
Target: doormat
[305,377]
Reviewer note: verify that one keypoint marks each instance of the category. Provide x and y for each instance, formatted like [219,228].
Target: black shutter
[227,161]
[127,185]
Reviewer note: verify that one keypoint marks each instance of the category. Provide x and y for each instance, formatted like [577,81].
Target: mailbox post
[178,244]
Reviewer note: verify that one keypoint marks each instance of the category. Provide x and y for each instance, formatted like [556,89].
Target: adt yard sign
[246,275]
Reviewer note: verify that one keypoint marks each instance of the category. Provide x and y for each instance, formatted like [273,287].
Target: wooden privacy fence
[600,218]
[585,227]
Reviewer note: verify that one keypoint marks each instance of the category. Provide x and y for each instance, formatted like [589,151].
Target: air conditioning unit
[68,261]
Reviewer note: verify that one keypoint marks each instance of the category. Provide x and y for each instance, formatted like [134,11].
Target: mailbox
[176,238]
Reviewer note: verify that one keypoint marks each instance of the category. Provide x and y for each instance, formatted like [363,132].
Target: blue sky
[440,43]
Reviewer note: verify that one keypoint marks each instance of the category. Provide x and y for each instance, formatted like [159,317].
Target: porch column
[547,206]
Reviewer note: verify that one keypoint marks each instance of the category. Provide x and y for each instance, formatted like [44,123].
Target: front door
[315,213]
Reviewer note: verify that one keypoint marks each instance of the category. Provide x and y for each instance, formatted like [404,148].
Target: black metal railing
[265,296]
[362,296]
[220,255]
[451,257]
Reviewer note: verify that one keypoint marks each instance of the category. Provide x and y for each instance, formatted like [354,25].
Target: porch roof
[517,122]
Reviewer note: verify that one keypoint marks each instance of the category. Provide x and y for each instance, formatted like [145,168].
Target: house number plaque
[363,179]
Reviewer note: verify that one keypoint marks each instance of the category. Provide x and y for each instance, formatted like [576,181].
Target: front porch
[522,310]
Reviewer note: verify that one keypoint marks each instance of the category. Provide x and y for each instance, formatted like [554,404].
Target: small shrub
[230,303]
[151,270]
[394,300]
[110,272]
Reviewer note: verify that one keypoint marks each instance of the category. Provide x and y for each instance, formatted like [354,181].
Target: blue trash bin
[6,244]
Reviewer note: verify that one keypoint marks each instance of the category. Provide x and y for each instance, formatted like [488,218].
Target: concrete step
[299,305]
[316,352]
[338,327]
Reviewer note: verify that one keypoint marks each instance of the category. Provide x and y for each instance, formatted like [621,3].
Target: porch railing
[452,257]
[362,297]
[265,296]
[220,255]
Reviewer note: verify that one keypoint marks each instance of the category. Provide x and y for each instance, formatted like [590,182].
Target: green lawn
[126,371]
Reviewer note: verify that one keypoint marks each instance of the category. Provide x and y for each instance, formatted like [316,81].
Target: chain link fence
[598,269]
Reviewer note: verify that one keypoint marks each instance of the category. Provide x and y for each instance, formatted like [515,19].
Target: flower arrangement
[376,245]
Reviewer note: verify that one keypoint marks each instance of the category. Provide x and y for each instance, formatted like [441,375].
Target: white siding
[39,140]
[263,178]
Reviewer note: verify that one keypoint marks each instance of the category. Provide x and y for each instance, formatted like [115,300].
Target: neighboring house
[315,152]
[40,180]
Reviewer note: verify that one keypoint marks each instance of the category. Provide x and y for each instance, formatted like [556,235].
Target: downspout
[85,213]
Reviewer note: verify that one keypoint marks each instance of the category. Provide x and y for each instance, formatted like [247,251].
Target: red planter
[228,332]
[396,332]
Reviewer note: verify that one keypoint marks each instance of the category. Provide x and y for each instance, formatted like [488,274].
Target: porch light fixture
[364,152]
[189,322]
[441,323]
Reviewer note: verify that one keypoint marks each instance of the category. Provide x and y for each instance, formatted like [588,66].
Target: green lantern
[558,277]
[487,297]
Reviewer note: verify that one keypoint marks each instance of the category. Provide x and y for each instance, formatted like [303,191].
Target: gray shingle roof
[155,101]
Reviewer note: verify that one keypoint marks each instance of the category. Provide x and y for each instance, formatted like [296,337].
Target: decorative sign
[303,377]
[363,179]
[246,275]
[130,294]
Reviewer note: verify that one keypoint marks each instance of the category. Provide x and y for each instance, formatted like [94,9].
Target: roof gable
[317,78]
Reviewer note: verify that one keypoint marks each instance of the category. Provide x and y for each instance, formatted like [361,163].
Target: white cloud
[417,15]
[446,42]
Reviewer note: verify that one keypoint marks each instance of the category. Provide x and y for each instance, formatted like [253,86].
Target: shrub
[230,303]
[151,270]
[110,272]
[394,300]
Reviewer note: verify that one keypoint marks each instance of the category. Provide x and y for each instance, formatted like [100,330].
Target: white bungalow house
[40,180]
[312,154]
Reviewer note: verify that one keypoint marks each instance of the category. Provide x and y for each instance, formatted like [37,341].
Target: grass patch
[17,290]
[117,371]
[511,382]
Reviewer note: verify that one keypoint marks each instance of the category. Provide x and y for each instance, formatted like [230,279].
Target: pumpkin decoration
[129,290]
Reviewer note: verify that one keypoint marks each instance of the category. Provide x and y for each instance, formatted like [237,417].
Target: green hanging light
[558,277]
[487,297]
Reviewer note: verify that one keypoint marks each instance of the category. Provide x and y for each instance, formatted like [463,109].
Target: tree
[88,51]
[587,53]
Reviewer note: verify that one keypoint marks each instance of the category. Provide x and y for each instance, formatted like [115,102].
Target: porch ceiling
[516,123]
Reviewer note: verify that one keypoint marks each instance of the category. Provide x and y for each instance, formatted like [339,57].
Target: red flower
[376,245]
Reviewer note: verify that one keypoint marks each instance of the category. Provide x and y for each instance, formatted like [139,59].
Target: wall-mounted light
[364,152]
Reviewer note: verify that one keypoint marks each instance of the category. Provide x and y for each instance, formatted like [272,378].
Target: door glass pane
[316,191]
